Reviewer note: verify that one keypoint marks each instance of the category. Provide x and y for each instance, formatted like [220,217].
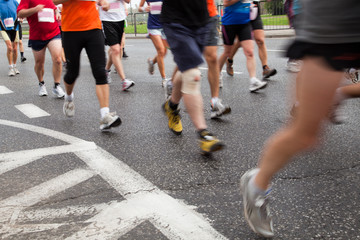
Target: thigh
[73,44]
[55,48]
[39,56]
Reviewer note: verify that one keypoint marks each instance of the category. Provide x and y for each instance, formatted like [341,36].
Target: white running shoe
[221,84]
[218,109]
[16,70]
[109,120]
[126,84]
[11,72]
[256,209]
[69,108]
[256,84]
[58,92]
[42,90]
[168,88]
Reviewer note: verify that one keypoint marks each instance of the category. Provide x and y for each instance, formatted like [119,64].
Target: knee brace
[191,81]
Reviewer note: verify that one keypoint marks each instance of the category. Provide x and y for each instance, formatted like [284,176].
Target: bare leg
[316,92]
[116,60]
[39,57]
[161,52]
[210,53]
[55,49]
[260,41]
[103,93]
[248,47]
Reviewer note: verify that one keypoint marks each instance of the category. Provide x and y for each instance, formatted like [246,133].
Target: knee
[161,52]
[249,53]
[260,42]
[57,60]
[211,59]
[191,81]
[115,51]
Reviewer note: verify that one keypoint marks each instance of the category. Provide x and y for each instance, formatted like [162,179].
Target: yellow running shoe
[174,118]
[209,143]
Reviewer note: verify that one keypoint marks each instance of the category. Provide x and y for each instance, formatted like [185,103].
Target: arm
[104,4]
[230,2]
[23,13]
[56,2]
[127,1]
[142,8]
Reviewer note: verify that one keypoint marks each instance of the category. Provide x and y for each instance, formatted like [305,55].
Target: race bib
[114,7]
[9,22]
[155,8]
[46,15]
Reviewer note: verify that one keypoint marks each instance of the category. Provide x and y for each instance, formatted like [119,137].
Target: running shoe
[229,68]
[209,143]
[124,54]
[293,66]
[126,84]
[256,84]
[268,72]
[218,109]
[352,74]
[42,90]
[256,209]
[174,118]
[58,91]
[69,108]
[110,120]
[221,83]
[168,89]
[150,66]
[23,59]
[16,70]
[108,76]
[11,72]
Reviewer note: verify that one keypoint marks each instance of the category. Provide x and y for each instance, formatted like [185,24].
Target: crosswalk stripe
[5,90]
[31,110]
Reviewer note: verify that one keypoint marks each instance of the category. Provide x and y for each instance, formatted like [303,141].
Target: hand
[58,16]
[104,4]
[39,7]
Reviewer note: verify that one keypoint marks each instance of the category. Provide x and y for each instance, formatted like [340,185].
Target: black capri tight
[93,42]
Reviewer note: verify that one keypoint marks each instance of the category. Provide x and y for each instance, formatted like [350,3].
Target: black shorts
[37,45]
[11,34]
[213,34]
[242,31]
[257,23]
[113,32]
[337,56]
[20,32]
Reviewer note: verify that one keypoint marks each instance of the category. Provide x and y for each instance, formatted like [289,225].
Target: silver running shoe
[219,109]
[126,84]
[256,209]
[69,108]
[352,74]
[42,90]
[257,85]
[108,76]
[58,92]
[109,120]
[168,88]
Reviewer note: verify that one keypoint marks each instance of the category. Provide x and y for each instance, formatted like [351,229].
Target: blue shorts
[37,45]
[186,44]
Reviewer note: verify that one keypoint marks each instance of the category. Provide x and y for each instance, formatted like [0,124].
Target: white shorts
[157,32]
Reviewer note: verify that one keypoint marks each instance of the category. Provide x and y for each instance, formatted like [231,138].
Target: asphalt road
[63,178]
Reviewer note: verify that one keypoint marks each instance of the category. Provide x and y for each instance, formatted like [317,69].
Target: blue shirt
[238,13]
[8,10]
[154,19]
[296,7]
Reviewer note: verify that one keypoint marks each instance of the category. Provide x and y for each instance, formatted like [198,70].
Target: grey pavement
[62,178]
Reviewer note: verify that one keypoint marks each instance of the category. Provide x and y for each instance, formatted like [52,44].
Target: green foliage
[140,28]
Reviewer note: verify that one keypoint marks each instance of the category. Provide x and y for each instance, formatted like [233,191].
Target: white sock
[253,80]
[214,100]
[70,97]
[104,111]
[10,66]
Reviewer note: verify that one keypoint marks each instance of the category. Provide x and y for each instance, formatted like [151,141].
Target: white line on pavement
[204,68]
[31,111]
[5,90]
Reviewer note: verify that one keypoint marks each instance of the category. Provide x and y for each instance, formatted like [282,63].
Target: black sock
[230,60]
[172,105]
[22,54]
[41,83]
[203,132]
[264,67]
[56,84]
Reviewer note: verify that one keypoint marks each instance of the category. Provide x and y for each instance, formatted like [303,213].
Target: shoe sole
[262,87]
[132,84]
[115,123]
[272,73]
[216,147]
[227,111]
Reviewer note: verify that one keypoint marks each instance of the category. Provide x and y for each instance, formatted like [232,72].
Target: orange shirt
[212,8]
[79,15]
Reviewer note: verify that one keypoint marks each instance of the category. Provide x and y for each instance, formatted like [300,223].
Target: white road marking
[12,160]
[5,90]
[31,111]
[144,201]
[276,50]
[204,68]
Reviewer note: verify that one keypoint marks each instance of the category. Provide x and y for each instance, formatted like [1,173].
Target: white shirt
[116,12]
